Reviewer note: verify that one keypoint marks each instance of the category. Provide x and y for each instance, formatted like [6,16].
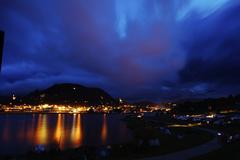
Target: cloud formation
[136,49]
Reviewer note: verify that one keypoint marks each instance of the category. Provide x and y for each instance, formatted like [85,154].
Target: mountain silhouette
[70,94]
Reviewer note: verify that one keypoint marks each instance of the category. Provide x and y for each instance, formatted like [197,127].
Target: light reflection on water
[19,133]
[77,132]
[59,132]
[5,135]
[42,130]
[104,130]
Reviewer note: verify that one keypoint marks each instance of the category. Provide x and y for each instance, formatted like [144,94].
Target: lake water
[19,133]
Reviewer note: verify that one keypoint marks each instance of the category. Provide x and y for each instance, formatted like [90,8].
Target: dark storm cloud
[136,49]
[213,58]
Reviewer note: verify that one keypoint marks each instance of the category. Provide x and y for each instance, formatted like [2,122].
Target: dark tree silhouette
[208,105]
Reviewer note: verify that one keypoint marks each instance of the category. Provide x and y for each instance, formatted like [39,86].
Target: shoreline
[1,113]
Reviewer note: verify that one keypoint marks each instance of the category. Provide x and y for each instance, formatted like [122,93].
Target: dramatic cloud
[136,49]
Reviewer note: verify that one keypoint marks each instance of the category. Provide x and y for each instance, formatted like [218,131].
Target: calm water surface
[19,133]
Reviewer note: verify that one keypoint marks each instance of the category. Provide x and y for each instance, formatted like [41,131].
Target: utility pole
[1,48]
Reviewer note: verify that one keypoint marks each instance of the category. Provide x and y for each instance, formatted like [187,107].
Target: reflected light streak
[77,131]
[21,131]
[104,130]
[41,132]
[6,133]
[30,130]
[59,132]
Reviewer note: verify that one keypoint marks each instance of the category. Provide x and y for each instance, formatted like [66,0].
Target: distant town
[73,98]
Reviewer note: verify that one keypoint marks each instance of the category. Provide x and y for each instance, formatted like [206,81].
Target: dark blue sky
[136,49]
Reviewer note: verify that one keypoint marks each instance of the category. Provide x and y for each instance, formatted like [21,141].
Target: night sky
[135,49]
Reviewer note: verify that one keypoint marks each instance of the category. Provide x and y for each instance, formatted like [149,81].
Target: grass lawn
[228,152]
[168,143]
